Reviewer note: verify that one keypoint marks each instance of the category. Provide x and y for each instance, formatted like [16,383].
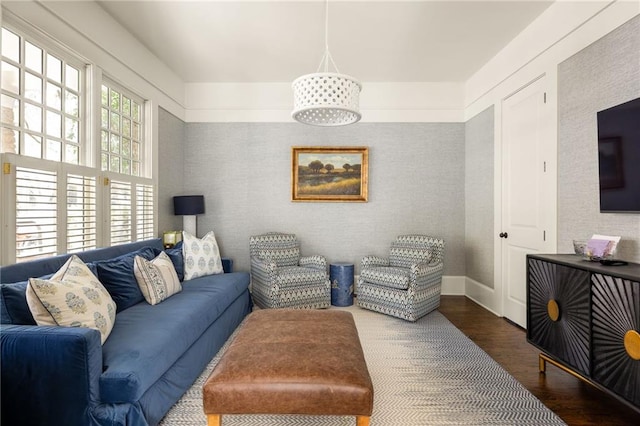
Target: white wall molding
[273,102]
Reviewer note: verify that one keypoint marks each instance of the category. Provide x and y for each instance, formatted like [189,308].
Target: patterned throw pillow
[73,297]
[157,278]
[201,256]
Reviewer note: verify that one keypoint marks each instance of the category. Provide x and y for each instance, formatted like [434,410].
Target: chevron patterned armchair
[281,278]
[407,284]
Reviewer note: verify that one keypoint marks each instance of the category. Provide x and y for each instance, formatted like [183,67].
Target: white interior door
[525,131]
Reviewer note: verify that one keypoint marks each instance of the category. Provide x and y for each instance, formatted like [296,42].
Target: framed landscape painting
[337,174]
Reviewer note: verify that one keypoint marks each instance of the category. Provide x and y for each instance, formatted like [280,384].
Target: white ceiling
[277,41]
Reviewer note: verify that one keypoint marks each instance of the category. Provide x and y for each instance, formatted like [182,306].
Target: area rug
[424,373]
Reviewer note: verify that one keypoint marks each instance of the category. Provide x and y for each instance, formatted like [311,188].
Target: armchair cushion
[387,276]
[293,276]
[281,256]
[314,261]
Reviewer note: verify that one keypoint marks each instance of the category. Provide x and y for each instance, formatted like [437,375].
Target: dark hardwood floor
[575,401]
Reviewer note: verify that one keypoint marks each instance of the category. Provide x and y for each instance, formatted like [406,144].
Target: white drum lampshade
[326,98]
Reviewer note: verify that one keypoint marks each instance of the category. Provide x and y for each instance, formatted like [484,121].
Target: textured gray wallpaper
[602,75]
[479,148]
[416,185]
[171,165]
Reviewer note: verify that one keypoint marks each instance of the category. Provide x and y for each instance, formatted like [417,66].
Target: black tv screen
[619,157]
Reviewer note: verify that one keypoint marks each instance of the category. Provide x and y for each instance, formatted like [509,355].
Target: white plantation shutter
[131,201]
[144,212]
[82,219]
[121,212]
[36,213]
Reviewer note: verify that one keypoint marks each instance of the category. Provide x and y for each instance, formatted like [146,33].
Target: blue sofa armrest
[227,265]
[49,374]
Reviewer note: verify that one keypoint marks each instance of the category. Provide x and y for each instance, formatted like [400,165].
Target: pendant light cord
[326,26]
[326,58]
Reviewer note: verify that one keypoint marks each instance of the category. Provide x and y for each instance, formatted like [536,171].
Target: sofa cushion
[175,254]
[157,278]
[117,277]
[147,340]
[201,256]
[387,276]
[73,297]
[13,304]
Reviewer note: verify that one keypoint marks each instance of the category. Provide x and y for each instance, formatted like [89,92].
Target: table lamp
[188,206]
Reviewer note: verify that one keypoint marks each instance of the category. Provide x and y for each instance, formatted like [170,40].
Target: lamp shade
[188,205]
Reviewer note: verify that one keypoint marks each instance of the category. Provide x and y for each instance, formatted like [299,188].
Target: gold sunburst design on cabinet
[566,336]
[616,343]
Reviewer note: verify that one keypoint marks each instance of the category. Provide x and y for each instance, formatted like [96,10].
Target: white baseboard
[483,296]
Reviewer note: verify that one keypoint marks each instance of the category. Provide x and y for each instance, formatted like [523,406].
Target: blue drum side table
[341,276]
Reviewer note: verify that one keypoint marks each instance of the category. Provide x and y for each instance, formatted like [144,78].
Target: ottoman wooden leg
[362,420]
[214,419]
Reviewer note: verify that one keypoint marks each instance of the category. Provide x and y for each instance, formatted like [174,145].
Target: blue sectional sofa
[64,376]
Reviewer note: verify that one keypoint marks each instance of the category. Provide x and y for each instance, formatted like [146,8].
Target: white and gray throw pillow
[157,278]
[201,256]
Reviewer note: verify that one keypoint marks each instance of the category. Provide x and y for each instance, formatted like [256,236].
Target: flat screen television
[619,157]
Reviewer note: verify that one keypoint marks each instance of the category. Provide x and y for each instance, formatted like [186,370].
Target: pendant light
[326,98]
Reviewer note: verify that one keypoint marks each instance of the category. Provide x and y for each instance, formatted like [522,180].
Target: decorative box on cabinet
[585,317]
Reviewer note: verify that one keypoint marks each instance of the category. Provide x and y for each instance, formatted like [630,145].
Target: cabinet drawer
[616,338]
[559,309]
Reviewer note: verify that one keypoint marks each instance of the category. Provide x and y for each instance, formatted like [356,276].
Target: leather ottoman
[286,361]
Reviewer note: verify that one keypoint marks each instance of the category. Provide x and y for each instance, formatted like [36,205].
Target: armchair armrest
[49,373]
[425,274]
[369,261]
[263,271]
[316,262]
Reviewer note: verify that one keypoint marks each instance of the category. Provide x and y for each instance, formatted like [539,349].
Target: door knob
[504,235]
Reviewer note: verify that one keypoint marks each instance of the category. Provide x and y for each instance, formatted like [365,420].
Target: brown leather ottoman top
[285,361]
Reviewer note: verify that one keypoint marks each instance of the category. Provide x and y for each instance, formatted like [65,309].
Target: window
[41,101]
[71,193]
[121,131]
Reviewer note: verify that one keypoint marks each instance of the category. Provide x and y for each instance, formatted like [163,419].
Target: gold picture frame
[329,174]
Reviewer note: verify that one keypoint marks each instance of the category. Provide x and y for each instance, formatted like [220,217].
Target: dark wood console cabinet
[585,318]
